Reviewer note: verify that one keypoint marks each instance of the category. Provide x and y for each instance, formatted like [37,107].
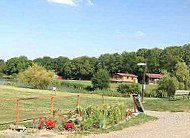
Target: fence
[17,102]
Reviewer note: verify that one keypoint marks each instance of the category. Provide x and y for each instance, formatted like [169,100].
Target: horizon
[89,27]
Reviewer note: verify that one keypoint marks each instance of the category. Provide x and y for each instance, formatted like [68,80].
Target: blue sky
[73,28]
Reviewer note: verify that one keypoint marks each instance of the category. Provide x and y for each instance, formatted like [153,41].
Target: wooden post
[18,112]
[135,108]
[103,101]
[78,100]
[52,105]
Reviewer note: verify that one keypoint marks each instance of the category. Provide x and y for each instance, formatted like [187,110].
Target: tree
[101,79]
[169,57]
[46,62]
[2,66]
[112,62]
[168,84]
[17,64]
[37,76]
[182,73]
[58,64]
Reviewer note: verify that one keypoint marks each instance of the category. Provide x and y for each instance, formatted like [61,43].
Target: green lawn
[35,108]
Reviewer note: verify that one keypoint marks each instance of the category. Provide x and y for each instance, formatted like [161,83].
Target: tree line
[84,67]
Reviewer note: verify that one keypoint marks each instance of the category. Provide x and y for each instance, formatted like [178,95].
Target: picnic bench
[182,93]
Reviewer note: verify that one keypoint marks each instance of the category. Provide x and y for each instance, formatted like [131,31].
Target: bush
[36,76]
[129,88]
[101,79]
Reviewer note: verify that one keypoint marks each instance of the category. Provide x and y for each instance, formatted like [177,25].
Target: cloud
[66,2]
[72,2]
[90,3]
[140,34]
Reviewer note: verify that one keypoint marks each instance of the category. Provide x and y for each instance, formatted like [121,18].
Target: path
[169,125]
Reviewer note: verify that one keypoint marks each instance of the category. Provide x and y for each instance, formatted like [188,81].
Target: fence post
[52,105]
[18,112]
[135,108]
[78,100]
[103,100]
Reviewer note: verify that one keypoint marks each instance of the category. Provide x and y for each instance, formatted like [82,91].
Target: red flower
[69,126]
[40,125]
[50,124]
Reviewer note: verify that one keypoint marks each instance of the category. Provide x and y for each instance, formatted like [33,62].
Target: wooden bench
[182,93]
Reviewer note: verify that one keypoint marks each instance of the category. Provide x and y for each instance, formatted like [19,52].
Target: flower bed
[85,119]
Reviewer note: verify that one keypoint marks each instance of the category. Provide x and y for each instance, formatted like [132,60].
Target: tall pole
[143,85]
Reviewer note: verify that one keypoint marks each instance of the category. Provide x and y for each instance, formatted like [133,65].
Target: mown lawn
[41,107]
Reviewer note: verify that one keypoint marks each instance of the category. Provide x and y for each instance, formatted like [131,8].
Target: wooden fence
[52,100]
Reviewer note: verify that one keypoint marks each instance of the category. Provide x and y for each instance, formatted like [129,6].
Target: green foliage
[80,85]
[17,64]
[129,88]
[101,116]
[36,76]
[182,74]
[168,84]
[81,68]
[101,79]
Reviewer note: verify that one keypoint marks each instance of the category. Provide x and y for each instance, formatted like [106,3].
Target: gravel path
[169,125]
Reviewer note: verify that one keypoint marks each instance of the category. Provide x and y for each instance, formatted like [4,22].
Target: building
[153,78]
[124,78]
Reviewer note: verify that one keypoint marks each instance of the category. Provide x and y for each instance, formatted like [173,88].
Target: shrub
[101,79]
[36,76]
[129,88]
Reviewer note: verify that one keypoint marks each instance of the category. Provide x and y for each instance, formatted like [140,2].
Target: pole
[18,112]
[78,100]
[143,85]
[134,106]
[103,101]
[52,105]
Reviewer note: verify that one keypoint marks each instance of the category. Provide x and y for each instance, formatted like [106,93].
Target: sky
[73,28]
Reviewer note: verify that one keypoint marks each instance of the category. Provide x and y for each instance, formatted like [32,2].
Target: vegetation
[101,79]
[36,76]
[84,67]
[179,79]
[36,108]
[129,88]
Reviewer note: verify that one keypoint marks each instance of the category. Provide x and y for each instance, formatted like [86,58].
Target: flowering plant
[50,124]
[69,126]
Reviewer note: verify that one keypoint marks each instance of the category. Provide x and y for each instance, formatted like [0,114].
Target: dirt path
[169,125]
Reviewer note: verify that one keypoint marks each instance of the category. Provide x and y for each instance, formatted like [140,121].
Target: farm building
[153,78]
[124,78]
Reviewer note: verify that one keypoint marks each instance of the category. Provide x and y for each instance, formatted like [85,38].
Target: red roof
[154,76]
[127,75]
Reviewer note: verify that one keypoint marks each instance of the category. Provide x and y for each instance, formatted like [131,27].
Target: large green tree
[17,64]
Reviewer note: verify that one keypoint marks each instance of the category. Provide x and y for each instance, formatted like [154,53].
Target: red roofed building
[153,78]
[124,78]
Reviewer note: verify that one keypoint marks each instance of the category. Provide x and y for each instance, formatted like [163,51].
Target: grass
[36,108]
